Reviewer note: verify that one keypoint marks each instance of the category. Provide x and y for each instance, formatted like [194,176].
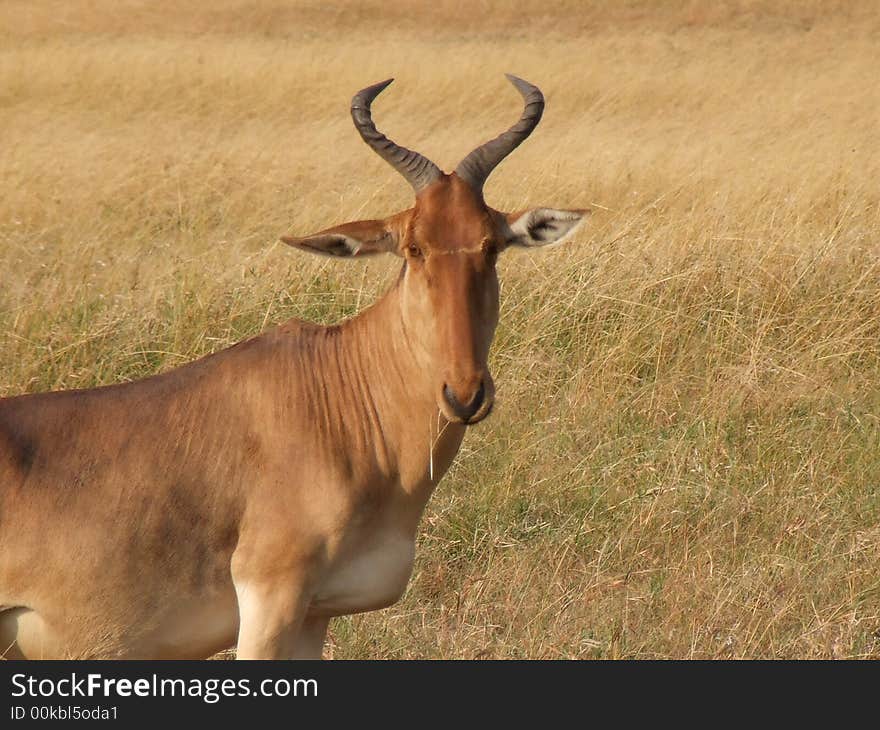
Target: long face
[450,294]
[450,242]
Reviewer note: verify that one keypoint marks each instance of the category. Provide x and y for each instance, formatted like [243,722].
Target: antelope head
[450,241]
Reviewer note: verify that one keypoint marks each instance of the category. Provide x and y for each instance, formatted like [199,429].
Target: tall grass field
[684,458]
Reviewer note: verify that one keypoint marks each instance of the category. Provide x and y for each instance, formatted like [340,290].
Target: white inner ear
[333,244]
[544,226]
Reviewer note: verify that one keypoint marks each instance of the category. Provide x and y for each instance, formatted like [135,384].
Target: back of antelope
[252,495]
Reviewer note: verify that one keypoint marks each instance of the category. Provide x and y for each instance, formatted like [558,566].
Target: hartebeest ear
[542,226]
[359,238]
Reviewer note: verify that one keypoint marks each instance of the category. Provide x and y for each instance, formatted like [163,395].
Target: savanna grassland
[684,459]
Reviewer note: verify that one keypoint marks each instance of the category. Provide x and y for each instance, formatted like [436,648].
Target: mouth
[464,419]
[477,417]
[476,403]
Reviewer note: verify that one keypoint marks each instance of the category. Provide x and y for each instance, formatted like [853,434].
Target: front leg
[310,641]
[271,617]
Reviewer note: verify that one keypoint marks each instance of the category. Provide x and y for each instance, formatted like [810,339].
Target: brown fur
[259,491]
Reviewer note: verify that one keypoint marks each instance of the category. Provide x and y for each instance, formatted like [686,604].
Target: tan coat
[249,496]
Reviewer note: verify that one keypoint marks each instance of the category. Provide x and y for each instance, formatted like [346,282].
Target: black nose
[465,412]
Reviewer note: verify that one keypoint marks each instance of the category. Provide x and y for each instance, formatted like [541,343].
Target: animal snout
[465,406]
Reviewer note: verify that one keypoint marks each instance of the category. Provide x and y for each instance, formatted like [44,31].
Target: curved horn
[478,165]
[418,170]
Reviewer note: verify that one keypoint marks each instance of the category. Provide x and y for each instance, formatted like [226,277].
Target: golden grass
[685,456]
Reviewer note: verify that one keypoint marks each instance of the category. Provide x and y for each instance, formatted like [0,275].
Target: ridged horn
[418,170]
[478,165]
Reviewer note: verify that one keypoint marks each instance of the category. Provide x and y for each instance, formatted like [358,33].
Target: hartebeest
[262,490]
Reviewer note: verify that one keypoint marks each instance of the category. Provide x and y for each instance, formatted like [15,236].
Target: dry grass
[685,457]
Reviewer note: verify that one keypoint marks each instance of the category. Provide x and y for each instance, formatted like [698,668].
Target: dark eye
[414,250]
